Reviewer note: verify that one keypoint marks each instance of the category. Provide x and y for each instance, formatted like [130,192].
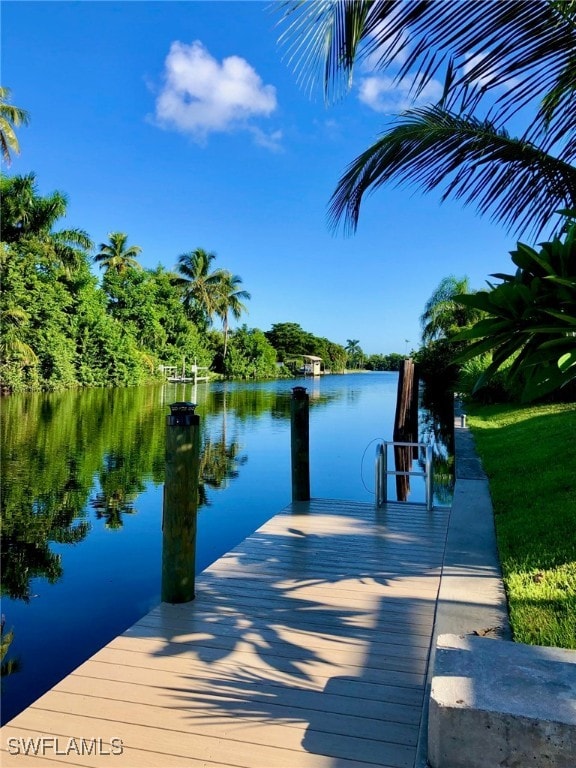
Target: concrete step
[496,703]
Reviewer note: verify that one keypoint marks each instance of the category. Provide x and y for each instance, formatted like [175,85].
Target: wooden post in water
[405,426]
[406,418]
[413,428]
[300,444]
[180,503]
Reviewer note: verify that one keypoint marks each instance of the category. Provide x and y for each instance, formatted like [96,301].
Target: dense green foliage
[250,355]
[529,318]
[391,362]
[526,452]
[517,339]
[63,328]
[58,331]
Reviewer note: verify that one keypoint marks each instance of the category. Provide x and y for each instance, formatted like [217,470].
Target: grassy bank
[529,454]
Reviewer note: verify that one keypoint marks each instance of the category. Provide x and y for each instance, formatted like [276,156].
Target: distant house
[312,366]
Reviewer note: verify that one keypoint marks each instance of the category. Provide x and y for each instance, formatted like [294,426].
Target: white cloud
[490,78]
[270,140]
[202,96]
[383,94]
[371,62]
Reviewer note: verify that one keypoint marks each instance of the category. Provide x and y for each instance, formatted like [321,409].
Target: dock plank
[307,647]
[404,708]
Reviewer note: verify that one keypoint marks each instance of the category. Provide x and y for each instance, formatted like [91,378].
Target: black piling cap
[298,393]
[182,414]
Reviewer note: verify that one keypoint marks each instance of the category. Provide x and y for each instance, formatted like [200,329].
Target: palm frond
[472,160]
[10,116]
[514,51]
[322,41]
[8,140]
[14,114]
[75,237]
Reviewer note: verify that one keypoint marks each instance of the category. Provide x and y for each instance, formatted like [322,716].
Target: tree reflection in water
[220,458]
[120,483]
[11,665]
[65,455]
[53,448]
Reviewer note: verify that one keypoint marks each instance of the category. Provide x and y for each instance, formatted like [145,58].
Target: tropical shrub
[530,318]
[499,388]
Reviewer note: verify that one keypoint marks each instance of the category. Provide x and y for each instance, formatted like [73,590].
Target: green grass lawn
[529,455]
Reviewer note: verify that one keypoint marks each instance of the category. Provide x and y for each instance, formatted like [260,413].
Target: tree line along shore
[64,328]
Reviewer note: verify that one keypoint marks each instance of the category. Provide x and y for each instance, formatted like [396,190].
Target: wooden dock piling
[180,504]
[405,426]
[300,444]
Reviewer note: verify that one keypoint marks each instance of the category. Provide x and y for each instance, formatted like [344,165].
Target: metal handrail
[382,471]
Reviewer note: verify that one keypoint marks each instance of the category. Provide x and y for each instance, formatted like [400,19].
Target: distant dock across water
[180,376]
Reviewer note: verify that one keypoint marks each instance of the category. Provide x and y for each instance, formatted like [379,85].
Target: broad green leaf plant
[530,316]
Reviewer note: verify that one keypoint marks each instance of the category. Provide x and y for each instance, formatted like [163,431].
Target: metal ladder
[382,471]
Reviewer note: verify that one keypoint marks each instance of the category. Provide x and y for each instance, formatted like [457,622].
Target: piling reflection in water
[403,464]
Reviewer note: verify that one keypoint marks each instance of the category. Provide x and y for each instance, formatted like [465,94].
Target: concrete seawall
[471,598]
[492,702]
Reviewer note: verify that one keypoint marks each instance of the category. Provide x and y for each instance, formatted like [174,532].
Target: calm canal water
[82,477]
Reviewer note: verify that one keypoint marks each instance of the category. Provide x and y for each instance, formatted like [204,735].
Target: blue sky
[181,124]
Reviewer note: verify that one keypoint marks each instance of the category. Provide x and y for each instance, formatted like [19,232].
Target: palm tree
[116,256]
[492,56]
[12,346]
[25,213]
[200,286]
[230,297]
[10,117]
[69,246]
[443,315]
[353,350]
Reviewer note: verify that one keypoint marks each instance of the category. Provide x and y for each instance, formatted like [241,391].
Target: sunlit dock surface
[307,646]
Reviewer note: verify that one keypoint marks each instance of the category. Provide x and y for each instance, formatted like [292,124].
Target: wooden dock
[307,647]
